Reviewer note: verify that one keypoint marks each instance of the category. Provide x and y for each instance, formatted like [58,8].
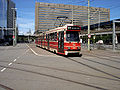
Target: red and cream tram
[62,40]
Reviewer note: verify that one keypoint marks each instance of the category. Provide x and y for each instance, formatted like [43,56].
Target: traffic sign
[89,35]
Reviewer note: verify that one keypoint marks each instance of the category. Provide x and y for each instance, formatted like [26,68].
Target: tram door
[61,42]
[48,40]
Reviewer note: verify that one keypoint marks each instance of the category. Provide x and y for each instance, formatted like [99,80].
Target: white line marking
[14,60]
[41,55]
[3,69]
[32,50]
[27,51]
[10,64]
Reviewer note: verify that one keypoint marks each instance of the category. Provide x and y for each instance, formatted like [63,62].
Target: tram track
[5,87]
[94,68]
[70,71]
[56,77]
[111,55]
[101,63]
[61,78]
[64,70]
[103,57]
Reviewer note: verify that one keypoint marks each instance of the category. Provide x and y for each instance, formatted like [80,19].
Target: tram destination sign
[75,28]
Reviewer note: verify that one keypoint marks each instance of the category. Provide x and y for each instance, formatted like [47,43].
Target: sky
[26,10]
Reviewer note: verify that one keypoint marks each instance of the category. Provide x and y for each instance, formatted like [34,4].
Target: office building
[3,17]
[48,15]
[7,19]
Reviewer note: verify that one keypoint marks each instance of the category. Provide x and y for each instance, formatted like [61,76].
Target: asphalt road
[26,67]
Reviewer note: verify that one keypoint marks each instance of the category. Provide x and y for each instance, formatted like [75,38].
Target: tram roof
[59,28]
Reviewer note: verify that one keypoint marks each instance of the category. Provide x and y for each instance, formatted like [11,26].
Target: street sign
[89,35]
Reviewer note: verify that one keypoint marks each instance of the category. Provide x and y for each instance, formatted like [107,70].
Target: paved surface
[26,67]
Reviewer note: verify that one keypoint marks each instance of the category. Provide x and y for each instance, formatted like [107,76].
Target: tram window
[52,36]
[55,36]
[72,36]
[49,36]
[46,37]
[68,35]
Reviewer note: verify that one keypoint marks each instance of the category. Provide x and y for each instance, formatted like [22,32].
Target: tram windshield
[72,36]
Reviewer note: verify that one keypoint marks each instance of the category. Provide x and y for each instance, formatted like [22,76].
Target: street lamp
[14,27]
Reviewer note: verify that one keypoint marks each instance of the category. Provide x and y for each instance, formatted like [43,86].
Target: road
[27,67]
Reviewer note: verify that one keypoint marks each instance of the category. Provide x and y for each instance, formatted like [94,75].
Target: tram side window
[43,36]
[55,36]
[52,36]
[40,38]
[46,37]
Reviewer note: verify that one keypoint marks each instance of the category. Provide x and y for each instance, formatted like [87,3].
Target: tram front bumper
[72,52]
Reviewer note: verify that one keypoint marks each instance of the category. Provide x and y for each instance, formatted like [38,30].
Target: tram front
[72,43]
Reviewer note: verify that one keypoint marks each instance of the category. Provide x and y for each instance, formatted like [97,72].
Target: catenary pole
[13,29]
[114,34]
[14,26]
[72,14]
[88,24]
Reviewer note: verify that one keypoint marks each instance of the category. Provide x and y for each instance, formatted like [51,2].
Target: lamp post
[99,20]
[14,28]
[88,24]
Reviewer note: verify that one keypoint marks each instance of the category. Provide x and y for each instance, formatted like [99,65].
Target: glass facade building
[6,19]
[3,13]
[3,17]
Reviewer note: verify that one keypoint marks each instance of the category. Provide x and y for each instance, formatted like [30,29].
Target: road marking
[14,60]
[39,54]
[27,51]
[10,64]
[33,51]
[3,69]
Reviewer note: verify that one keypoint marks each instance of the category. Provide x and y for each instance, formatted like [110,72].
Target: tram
[62,40]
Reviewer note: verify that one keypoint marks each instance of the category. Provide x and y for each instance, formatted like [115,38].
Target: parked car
[100,42]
